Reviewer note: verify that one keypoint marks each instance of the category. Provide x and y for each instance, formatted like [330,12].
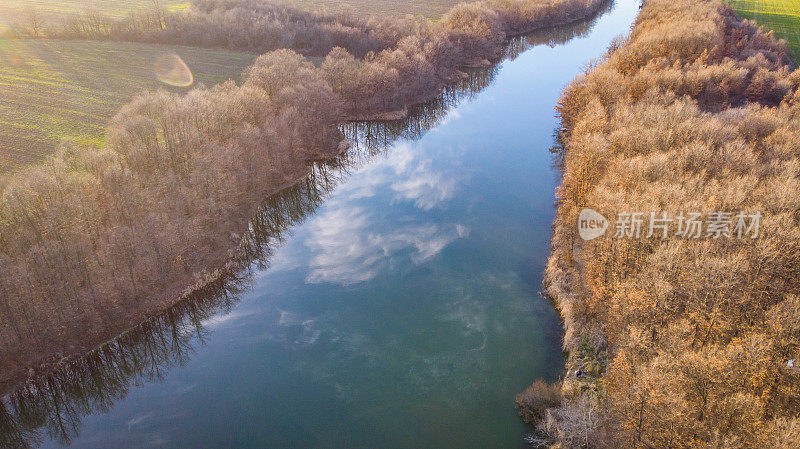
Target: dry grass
[69,89]
[695,111]
[783,16]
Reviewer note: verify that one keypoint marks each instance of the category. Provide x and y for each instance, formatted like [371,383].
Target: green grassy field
[783,16]
[53,11]
[52,90]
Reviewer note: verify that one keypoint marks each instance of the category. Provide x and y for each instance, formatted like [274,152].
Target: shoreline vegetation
[94,241]
[680,343]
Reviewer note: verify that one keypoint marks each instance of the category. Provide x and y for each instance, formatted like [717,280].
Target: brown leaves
[694,112]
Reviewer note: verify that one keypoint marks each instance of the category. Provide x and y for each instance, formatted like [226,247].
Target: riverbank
[680,342]
[205,284]
[115,236]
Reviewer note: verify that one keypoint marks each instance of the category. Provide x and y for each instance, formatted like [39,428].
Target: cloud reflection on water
[346,252]
[345,245]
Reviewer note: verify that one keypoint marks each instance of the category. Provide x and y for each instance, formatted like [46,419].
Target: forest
[678,343]
[94,240]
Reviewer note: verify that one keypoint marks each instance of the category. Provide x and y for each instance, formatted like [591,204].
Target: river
[393,298]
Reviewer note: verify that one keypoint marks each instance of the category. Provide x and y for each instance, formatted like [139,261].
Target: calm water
[396,303]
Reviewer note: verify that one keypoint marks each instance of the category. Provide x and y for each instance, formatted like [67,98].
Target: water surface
[396,302]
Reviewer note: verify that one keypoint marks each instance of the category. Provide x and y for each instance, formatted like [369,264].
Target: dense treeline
[259,26]
[681,343]
[377,65]
[244,25]
[469,35]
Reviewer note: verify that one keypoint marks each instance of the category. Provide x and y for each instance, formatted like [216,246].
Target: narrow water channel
[393,301]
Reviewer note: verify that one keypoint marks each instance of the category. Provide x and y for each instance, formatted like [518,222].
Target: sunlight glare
[170,69]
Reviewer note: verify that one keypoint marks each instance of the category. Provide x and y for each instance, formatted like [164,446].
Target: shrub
[532,404]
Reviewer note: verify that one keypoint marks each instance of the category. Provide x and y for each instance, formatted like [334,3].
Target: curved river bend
[393,301]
